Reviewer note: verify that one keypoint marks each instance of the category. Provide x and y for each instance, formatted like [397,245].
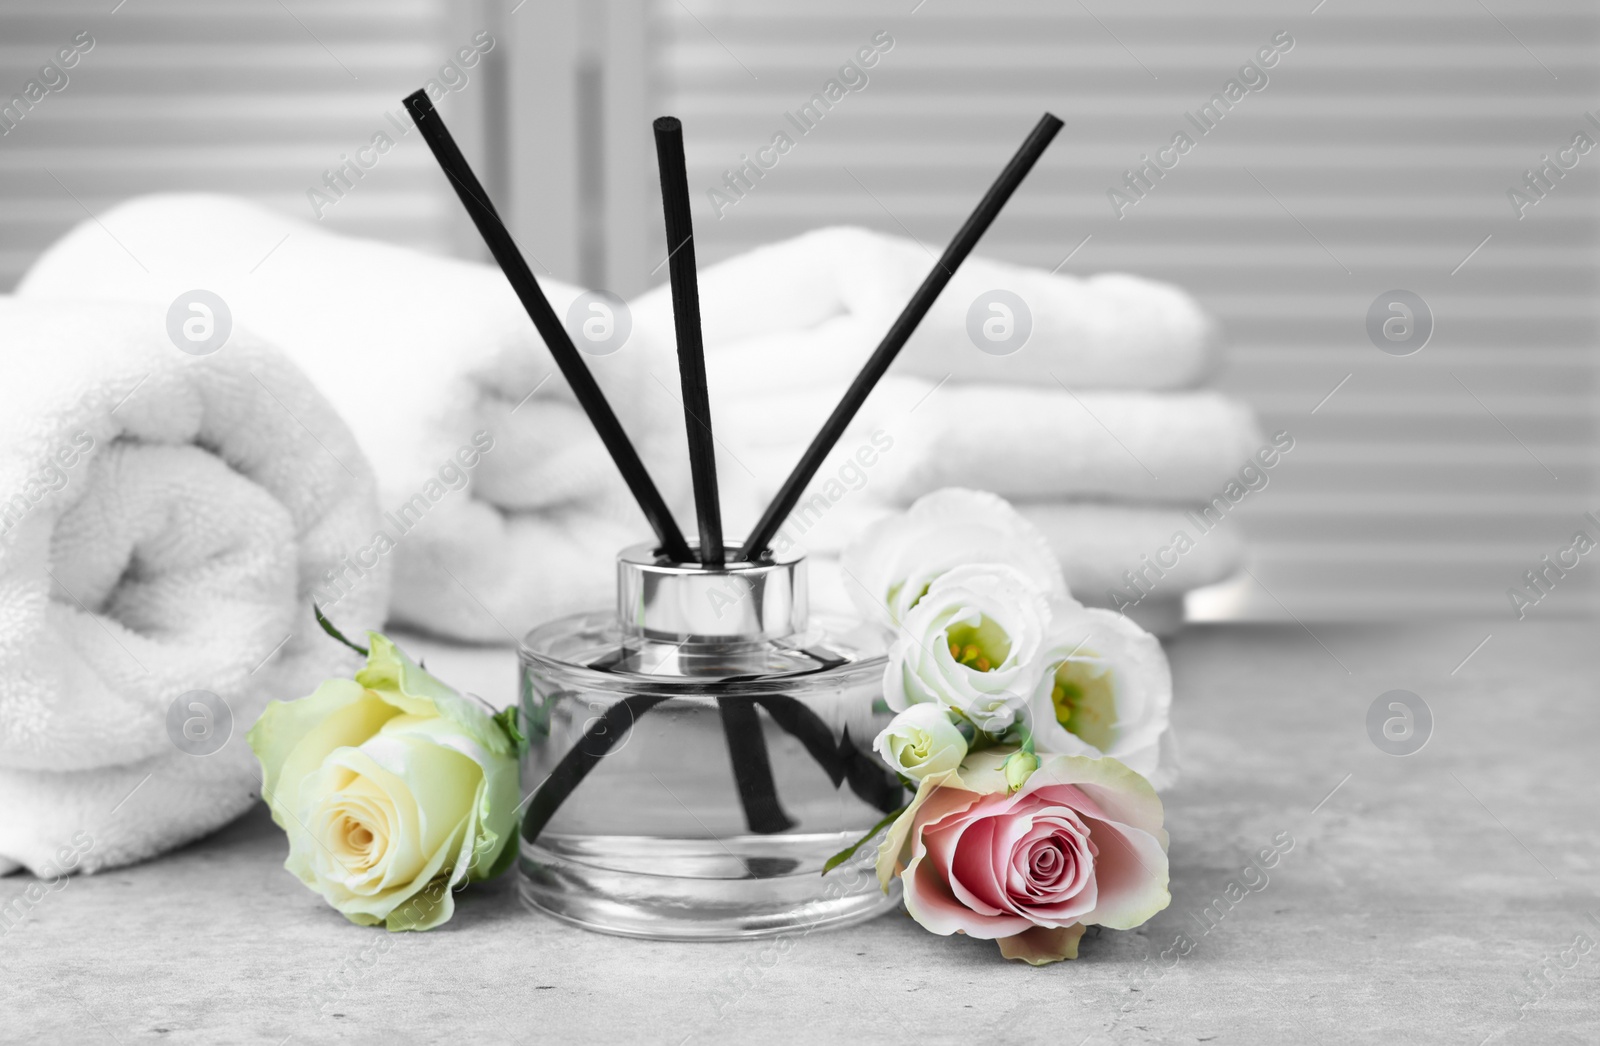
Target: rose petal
[396,678]
[1130,874]
[930,896]
[1069,840]
[495,808]
[439,782]
[932,802]
[291,738]
[930,902]
[967,850]
[1039,945]
[1107,789]
[1071,900]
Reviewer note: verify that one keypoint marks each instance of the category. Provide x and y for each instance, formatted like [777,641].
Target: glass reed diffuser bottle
[697,755]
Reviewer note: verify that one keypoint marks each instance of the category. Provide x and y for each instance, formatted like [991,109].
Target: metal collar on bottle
[664,600]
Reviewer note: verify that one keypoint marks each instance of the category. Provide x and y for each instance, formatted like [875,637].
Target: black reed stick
[555,336]
[752,767]
[988,208]
[596,743]
[691,349]
[747,744]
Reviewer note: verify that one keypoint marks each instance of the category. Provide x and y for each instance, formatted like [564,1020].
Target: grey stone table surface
[1441,897]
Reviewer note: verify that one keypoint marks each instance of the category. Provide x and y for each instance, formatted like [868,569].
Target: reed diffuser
[698,752]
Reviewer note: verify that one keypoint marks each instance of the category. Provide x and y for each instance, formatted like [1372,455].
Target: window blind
[259,99]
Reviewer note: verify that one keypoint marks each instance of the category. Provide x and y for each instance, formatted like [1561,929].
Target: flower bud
[921,741]
[1019,766]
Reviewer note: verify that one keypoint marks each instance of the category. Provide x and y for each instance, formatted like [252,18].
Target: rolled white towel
[165,519]
[434,365]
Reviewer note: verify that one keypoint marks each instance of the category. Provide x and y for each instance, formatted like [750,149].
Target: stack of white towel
[495,506]
[1093,426]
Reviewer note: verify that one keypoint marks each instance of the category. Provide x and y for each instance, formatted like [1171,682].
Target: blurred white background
[1377,155]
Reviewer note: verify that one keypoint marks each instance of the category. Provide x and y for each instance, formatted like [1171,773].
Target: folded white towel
[165,517]
[1159,613]
[1176,448]
[1168,550]
[913,437]
[1111,331]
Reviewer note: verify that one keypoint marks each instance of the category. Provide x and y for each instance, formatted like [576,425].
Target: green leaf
[328,627]
[508,721]
[844,855]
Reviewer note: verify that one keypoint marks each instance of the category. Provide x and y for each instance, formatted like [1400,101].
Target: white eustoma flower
[1105,689]
[892,563]
[920,741]
[971,643]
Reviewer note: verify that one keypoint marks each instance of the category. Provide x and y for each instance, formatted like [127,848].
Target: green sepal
[328,627]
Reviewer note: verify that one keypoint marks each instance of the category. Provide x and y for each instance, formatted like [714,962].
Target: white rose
[972,643]
[393,789]
[920,741]
[1106,689]
[891,564]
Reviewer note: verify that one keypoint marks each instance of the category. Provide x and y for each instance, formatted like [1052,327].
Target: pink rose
[1079,844]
